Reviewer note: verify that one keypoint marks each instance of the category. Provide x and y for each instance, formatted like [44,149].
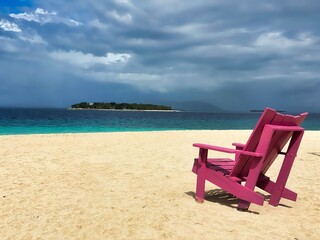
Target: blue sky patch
[13,6]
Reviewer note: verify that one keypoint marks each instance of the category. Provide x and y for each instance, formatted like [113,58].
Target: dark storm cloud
[239,56]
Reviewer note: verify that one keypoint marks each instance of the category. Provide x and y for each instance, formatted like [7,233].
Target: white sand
[140,186]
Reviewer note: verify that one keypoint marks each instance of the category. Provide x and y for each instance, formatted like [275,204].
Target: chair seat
[223,166]
[220,165]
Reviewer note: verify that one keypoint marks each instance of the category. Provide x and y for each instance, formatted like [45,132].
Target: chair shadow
[315,153]
[267,199]
[222,197]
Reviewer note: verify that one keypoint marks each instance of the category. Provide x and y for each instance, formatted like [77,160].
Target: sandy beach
[139,185]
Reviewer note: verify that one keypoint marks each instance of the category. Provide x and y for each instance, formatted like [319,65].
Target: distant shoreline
[120,106]
[121,110]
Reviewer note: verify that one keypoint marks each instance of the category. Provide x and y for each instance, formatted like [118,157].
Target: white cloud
[117,57]
[96,23]
[126,18]
[32,38]
[9,27]
[39,15]
[42,16]
[124,2]
[84,60]
[40,11]
[278,40]
[272,76]
[74,22]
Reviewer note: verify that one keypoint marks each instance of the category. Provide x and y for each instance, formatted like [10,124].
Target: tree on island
[120,106]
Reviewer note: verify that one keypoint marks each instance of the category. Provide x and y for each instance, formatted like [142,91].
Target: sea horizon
[15,121]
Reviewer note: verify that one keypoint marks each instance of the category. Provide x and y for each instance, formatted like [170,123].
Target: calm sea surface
[31,121]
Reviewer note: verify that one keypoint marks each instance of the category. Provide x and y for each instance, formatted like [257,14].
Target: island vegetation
[120,106]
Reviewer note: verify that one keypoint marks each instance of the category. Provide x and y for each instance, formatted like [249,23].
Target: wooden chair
[239,176]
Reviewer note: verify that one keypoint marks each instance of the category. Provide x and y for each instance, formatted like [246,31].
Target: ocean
[45,121]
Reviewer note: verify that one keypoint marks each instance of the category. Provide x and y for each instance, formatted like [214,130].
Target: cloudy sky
[237,55]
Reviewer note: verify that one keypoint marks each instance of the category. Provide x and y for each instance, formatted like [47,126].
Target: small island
[120,106]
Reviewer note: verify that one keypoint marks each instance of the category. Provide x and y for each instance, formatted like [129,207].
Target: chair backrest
[279,140]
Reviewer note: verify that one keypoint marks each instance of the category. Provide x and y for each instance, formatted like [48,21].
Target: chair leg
[243,205]
[285,169]
[200,186]
[279,187]
[201,175]
[251,182]
[267,185]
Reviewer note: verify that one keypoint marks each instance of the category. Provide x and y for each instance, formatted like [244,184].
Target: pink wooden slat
[219,169]
[226,150]
[221,161]
[286,168]
[277,118]
[201,174]
[267,185]
[239,146]
[216,148]
[280,140]
[266,117]
[256,164]
[236,189]
[252,143]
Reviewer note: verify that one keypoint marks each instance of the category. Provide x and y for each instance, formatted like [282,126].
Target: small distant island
[120,106]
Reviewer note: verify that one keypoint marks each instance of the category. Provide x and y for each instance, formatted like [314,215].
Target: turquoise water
[38,121]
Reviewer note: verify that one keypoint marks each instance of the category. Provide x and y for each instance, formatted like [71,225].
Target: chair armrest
[239,146]
[285,128]
[226,150]
[215,148]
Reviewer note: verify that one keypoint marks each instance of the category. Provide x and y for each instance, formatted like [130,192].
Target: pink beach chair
[239,176]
